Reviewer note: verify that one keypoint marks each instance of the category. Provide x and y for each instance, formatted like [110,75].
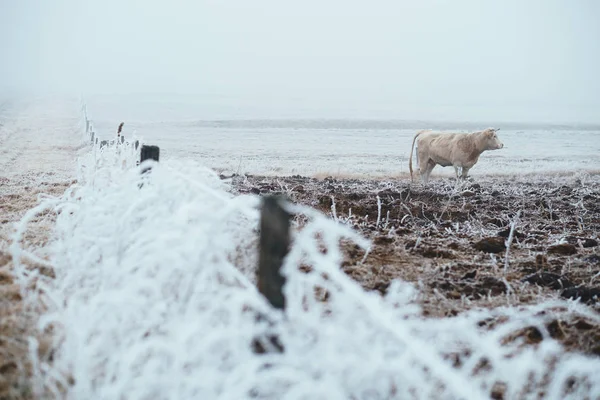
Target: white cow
[461,150]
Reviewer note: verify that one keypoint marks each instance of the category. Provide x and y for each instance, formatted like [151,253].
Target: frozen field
[149,292]
[343,147]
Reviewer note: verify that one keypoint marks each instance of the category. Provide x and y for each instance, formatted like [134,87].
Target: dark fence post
[148,153]
[92,136]
[274,246]
[120,137]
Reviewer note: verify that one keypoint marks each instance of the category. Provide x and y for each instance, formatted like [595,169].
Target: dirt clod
[549,279]
[583,241]
[587,243]
[586,294]
[498,391]
[491,245]
[470,275]
[555,330]
[564,249]
[583,325]
[506,233]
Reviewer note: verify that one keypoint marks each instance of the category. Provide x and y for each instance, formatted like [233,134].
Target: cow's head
[491,140]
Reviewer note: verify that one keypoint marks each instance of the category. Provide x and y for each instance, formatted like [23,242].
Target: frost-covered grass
[154,298]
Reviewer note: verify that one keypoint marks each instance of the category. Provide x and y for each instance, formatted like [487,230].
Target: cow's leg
[456,170]
[426,171]
[465,171]
[422,161]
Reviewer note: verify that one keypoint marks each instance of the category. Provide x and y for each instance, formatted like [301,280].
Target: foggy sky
[509,60]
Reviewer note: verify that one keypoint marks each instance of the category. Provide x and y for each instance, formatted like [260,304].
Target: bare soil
[450,238]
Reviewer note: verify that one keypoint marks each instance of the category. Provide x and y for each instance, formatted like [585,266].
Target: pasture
[145,285]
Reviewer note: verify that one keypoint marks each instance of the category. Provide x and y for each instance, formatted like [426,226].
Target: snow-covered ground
[234,144]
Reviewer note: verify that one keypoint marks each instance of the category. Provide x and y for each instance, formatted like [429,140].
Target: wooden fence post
[149,153]
[274,246]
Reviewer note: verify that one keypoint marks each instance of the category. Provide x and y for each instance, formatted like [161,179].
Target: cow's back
[435,141]
[426,139]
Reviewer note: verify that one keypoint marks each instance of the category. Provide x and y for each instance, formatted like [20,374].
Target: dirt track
[451,240]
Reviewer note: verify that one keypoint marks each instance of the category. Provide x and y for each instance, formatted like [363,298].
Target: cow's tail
[411,154]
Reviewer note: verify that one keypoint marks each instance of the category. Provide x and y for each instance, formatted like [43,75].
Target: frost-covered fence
[149,153]
[93,136]
[155,297]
